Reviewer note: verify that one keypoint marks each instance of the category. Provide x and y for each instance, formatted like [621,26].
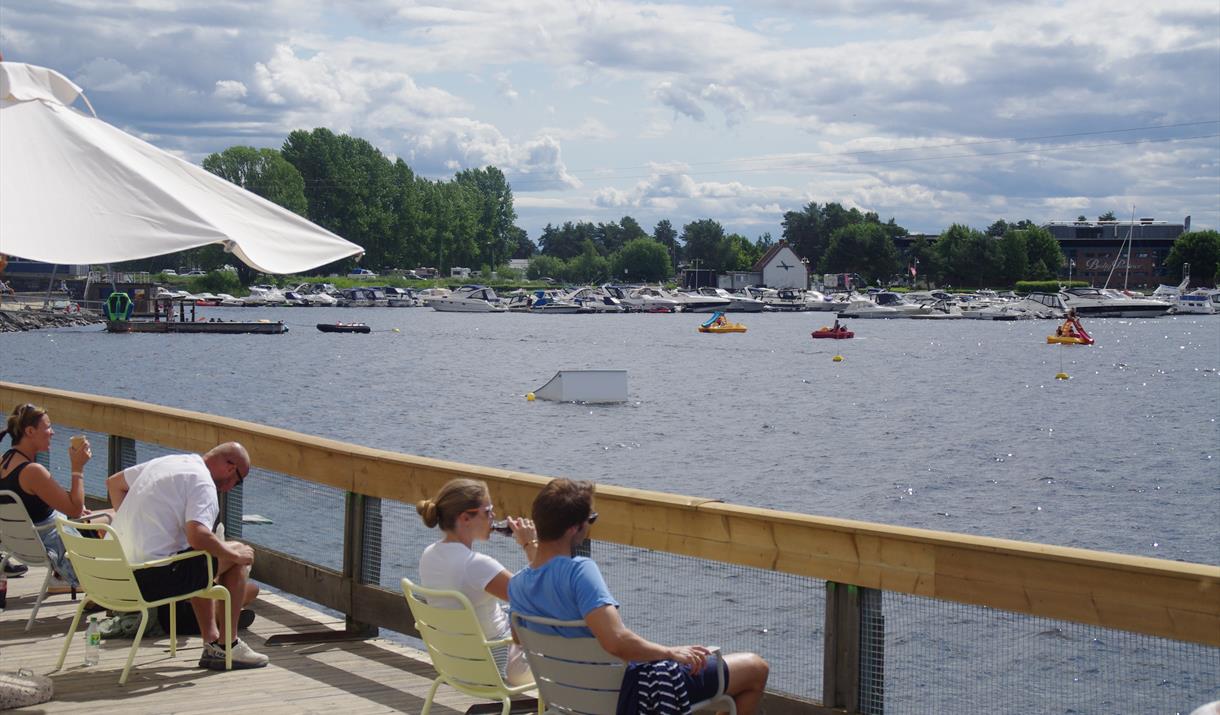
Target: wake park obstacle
[589,386]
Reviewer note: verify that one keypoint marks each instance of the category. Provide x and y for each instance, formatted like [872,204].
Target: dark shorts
[173,579]
[706,683]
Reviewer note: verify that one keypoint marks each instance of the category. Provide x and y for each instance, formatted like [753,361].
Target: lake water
[952,425]
[958,426]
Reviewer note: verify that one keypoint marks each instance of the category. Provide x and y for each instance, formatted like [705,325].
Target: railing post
[120,454]
[854,650]
[356,543]
[841,654]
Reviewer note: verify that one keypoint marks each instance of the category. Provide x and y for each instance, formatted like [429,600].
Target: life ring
[72,308]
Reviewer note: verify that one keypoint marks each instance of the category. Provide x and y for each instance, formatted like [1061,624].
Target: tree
[863,248]
[1014,257]
[665,235]
[1044,258]
[523,247]
[1107,216]
[261,171]
[1082,218]
[589,266]
[966,256]
[493,204]
[641,260]
[997,229]
[1201,249]
[546,267]
[701,242]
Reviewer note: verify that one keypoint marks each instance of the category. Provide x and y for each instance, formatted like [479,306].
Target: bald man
[169,505]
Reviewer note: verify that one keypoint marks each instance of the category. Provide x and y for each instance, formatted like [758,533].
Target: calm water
[957,425]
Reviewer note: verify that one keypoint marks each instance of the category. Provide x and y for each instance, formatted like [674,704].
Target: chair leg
[135,645]
[508,705]
[228,632]
[42,594]
[63,652]
[431,694]
[173,628]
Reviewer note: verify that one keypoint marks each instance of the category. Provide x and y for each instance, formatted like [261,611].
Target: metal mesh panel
[299,518]
[947,657]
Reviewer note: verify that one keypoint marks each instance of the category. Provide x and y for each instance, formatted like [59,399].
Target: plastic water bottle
[93,642]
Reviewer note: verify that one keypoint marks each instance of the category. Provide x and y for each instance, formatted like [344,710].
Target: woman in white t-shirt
[463,510]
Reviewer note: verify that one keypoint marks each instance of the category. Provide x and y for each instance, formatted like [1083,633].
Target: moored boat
[344,328]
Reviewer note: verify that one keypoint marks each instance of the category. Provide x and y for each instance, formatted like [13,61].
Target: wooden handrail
[1157,597]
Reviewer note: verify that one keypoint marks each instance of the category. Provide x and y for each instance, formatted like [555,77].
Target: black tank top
[38,509]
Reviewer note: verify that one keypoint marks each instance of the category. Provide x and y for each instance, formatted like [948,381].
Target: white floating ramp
[585,386]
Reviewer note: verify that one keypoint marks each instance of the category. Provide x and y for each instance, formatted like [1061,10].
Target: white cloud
[229,89]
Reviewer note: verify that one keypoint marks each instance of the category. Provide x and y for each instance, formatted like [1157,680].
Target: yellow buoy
[837,358]
[529,396]
[1061,376]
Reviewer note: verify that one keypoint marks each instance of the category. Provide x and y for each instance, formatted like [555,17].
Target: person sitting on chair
[29,428]
[558,584]
[168,505]
[463,510]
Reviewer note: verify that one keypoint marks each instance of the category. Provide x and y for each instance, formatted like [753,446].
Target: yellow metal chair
[460,652]
[19,537]
[577,675]
[109,580]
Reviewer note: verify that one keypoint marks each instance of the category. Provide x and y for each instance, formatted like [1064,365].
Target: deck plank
[356,677]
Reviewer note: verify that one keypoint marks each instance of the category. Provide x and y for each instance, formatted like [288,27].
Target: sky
[932,112]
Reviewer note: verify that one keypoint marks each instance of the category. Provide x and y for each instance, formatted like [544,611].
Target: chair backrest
[17,532]
[100,565]
[454,639]
[574,674]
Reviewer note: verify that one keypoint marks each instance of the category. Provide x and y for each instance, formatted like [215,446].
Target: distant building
[780,267]
[1093,248]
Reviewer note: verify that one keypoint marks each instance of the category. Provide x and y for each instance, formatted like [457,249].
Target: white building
[782,268]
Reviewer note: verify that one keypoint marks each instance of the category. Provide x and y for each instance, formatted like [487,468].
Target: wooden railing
[1156,597]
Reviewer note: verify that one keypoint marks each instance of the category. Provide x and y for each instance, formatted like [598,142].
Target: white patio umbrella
[76,190]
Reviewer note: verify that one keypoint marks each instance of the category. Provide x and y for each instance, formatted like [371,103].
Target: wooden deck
[374,676]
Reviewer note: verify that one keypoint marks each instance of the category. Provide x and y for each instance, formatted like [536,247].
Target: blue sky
[934,112]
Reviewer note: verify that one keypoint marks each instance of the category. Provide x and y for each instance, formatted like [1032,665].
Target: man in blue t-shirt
[558,584]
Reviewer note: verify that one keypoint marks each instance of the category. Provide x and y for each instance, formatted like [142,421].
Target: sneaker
[244,657]
[13,567]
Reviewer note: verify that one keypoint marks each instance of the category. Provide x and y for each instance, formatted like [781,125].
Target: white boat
[1094,303]
[595,300]
[738,303]
[818,301]
[861,307]
[469,299]
[784,299]
[550,301]
[264,295]
[698,302]
[1198,302]
[643,299]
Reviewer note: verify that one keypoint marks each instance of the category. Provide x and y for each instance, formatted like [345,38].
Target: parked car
[195,272]
[361,273]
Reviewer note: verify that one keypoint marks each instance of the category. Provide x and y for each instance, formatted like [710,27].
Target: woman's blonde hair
[456,497]
[23,416]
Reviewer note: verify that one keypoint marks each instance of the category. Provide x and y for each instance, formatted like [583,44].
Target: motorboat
[549,301]
[738,303]
[644,299]
[818,301]
[719,324]
[1094,303]
[861,307]
[469,299]
[595,300]
[344,328]
[784,299]
[400,297]
[699,302]
[357,298]
[1044,305]
[1199,302]
[264,295]
[944,309]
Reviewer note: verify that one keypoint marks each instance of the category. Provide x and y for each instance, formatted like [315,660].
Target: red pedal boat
[840,333]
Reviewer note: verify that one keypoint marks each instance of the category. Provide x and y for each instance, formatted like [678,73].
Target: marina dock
[369,676]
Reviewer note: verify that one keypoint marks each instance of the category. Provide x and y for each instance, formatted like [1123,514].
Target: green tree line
[403,220]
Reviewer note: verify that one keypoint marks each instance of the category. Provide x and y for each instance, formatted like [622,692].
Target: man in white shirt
[169,505]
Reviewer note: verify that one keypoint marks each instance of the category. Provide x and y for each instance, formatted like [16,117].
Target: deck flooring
[351,677]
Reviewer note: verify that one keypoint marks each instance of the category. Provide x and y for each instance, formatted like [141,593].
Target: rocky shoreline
[12,321]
